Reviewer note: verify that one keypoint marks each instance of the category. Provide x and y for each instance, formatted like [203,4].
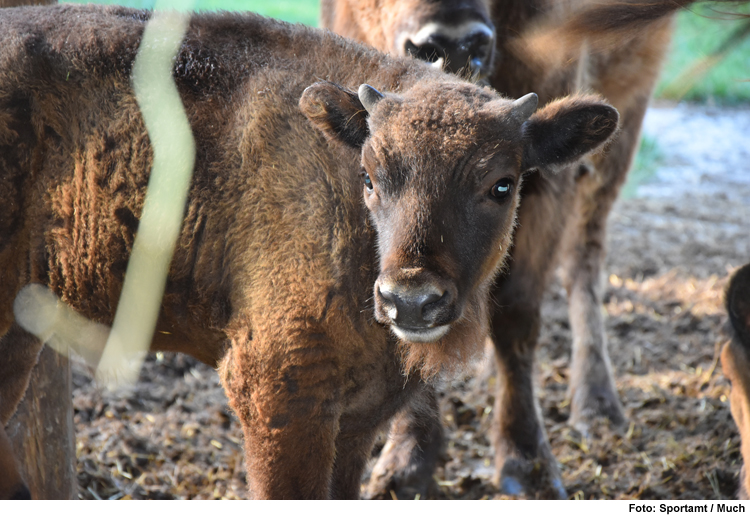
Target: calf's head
[441,165]
[455,34]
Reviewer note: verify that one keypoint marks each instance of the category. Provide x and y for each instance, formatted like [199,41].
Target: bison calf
[347,215]
[491,40]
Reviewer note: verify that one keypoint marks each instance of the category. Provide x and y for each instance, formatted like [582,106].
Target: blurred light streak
[174,158]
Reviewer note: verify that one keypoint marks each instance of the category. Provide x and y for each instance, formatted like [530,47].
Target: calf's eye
[501,189]
[368,181]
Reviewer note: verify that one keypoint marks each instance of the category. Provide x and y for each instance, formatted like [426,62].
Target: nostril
[479,49]
[390,302]
[479,43]
[410,48]
[428,51]
[429,299]
[387,294]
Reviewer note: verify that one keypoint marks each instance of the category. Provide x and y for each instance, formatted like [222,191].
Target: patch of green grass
[699,33]
[304,11]
[646,161]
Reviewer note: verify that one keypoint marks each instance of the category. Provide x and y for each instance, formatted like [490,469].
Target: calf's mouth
[418,306]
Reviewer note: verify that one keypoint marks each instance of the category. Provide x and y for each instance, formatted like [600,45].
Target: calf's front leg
[287,399]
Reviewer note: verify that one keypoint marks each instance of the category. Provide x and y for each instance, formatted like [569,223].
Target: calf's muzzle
[419,308]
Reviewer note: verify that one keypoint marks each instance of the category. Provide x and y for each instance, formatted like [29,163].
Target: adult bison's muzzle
[466,48]
[418,306]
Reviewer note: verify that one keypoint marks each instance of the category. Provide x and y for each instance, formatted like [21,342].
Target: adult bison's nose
[415,313]
[468,47]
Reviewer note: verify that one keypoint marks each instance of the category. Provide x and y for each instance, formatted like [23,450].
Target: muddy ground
[671,249]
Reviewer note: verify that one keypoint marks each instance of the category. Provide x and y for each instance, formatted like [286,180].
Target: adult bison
[338,242]
[554,226]
[735,361]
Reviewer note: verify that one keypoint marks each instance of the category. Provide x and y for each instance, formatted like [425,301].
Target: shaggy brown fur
[306,200]
[563,224]
[735,361]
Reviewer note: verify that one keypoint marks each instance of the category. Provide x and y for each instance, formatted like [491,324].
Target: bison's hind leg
[19,351]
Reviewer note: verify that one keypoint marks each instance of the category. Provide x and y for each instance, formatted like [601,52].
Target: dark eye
[502,189]
[368,181]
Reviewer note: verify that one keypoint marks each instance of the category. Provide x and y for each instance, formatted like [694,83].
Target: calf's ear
[566,129]
[337,112]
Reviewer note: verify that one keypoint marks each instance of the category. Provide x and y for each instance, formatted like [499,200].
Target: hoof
[407,462]
[22,493]
[400,475]
[539,479]
[591,403]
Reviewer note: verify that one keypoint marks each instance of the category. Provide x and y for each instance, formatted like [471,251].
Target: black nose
[411,308]
[473,51]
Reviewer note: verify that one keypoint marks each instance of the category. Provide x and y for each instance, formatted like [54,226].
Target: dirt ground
[671,250]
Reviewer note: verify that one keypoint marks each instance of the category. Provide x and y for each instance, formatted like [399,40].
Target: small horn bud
[369,97]
[524,107]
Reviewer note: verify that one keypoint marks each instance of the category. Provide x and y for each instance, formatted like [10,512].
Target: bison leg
[524,464]
[352,454]
[286,400]
[409,457]
[592,389]
[18,355]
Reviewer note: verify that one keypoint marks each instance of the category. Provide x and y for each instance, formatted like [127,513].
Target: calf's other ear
[337,112]
[566,129]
